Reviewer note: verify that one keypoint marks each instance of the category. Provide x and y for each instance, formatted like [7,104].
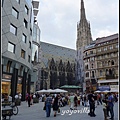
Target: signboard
[103,88]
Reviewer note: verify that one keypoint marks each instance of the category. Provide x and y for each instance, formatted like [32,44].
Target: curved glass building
[18,21]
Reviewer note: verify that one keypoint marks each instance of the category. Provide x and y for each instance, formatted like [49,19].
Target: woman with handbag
[55,105]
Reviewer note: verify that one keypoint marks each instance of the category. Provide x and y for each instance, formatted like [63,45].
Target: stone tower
[83,29]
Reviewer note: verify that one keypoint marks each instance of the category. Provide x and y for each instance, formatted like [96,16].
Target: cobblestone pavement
[36,112]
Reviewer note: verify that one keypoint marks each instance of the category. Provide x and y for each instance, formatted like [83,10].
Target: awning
[70,86]
[107,81]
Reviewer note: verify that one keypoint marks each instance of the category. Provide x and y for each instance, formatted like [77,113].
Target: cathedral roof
[50,51]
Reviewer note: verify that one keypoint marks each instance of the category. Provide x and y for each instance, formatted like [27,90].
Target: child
[104,109]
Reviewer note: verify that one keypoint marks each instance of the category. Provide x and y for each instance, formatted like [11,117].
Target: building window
[29,44]
[18,1]
[93,74]
[100,72]
[30,31]
[92,65]
[11,47]
[24,38]
[111,47]
[117,46]
[26,9]
[13,29]
[91,52]
[105,48]
[112,62]
[25,23]
[2,2]
[23,53]
[8,66]
[21,69]
[99,50]
[87,74]
[86,67]
[29,58]
[15,12]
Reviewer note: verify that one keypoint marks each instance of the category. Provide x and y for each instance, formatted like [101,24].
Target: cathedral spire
[82,11]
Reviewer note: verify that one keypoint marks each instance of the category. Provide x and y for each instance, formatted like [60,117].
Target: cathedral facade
[57,66]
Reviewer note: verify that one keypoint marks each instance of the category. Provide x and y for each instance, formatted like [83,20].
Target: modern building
[84,38]
[107,53]
[57,66]
[35,49]
[17,29]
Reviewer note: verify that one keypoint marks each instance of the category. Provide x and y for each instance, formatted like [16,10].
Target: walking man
[48,103]
[111,105]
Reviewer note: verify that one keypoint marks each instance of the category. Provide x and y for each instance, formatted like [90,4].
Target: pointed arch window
[112,62]
[109,63]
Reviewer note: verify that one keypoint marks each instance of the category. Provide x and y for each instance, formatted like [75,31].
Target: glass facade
[36,34]
[34,53]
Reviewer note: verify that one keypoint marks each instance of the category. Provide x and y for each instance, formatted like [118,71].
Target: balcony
[89,55]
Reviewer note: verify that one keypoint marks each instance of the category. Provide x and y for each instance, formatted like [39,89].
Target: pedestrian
[55,105]
[75,102]
[111,105]
[48,103]
[92,104]
[29,99]
[104,103]
[78,97]
[71,98]
[85,100]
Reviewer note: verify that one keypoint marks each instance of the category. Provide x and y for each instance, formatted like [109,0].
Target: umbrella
[60,90]
[41,91]
[50,91]
[114,90]
[97,91]
[106,91]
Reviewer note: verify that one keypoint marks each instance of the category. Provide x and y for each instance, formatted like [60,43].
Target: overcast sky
[58,19]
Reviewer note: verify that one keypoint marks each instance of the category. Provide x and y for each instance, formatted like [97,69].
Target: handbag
[44,108]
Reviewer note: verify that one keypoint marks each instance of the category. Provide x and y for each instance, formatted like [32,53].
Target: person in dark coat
[55,105]
[92,104]
[29,100]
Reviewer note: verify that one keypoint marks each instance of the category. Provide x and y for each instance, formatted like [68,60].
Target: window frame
[25,23]
[26,9]
[11,25]
[10,43]
[16,12]
[23,35]
[22,51]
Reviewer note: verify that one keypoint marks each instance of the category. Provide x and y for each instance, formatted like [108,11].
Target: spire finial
[83,16]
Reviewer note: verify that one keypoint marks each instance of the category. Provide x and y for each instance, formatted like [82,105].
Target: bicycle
[15,109]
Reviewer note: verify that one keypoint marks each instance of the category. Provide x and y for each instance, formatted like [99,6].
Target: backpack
[28,97]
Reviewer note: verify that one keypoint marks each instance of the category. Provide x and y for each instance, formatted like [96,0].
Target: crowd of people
[73,100]
[91,100]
